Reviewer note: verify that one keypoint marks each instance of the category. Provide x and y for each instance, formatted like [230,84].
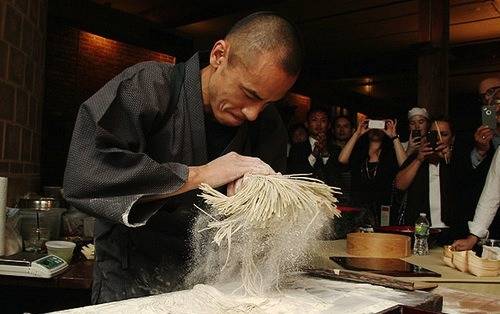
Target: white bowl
[63,249]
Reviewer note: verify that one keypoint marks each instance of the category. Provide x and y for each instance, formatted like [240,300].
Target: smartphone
[376,124]
[432,138]
[416,134]
[489,116]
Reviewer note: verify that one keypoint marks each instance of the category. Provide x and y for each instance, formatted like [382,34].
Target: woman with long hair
[374,156]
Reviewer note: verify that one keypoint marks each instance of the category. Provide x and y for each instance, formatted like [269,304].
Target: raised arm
[405,176]
[390,130]
[346,152]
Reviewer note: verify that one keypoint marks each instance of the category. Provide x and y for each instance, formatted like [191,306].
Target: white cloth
[311,157]
[308,295]
[489,201]
[435,197]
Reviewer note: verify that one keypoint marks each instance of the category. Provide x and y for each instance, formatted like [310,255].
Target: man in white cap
[419,123]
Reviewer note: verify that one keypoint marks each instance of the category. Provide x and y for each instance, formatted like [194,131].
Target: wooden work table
[460,291]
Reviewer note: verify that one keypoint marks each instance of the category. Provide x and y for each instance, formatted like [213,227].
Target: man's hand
[229,168]
[443,149]
[482,138]
[465,244]
[424,152]
[223,170]
[321,144]
[414,144]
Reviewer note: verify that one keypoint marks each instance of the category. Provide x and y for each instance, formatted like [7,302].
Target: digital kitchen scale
[27,264]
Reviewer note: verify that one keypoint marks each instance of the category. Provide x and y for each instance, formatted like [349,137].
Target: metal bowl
[38,203]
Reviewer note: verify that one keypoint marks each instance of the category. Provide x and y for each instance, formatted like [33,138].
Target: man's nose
[251,112]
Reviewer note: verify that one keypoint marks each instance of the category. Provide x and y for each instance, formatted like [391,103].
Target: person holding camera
[373,154]
[478,163]
[431,178]
[487,136]
[419,123]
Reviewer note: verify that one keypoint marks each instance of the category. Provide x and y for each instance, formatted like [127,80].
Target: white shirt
[489,201]
[311,158]
[435,197]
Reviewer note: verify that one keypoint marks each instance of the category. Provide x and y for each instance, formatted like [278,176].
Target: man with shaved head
[146,140]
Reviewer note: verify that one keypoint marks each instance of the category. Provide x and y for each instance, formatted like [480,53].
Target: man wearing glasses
[487,139]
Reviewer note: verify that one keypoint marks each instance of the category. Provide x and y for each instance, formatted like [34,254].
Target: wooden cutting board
[375,279]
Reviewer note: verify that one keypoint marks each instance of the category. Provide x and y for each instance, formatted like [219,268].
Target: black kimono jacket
[135,138]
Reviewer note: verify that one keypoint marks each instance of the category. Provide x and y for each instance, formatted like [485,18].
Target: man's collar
[312,141]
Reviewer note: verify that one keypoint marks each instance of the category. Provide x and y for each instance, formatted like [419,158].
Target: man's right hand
[320,147]
[424,152]
[224,170]
[229,168]
[482,138]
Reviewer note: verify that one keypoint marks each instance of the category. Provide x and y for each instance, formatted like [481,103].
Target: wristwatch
[394,137]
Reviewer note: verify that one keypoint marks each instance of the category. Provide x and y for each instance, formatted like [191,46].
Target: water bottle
[420,247]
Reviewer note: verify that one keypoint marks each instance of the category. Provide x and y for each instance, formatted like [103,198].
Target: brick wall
[78,64]
[100,59]
[22,49]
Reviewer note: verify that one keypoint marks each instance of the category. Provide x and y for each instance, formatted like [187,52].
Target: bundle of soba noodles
[263,231]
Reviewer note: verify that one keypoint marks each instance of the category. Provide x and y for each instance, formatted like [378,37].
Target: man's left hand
[465,244]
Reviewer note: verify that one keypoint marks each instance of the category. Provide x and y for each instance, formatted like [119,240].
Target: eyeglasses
[490,91]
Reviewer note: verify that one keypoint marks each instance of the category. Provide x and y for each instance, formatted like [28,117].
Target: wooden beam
[433,35]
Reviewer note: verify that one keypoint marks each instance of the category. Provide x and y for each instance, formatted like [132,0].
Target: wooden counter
[70,289]
[77,276]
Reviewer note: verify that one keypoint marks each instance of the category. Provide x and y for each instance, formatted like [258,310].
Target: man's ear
[219,52]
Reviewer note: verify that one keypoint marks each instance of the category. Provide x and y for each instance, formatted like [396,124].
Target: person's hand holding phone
[414,142]
[432,139]
[443,150]
[390,128]
[482,138]
[362,128]
[424,151]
